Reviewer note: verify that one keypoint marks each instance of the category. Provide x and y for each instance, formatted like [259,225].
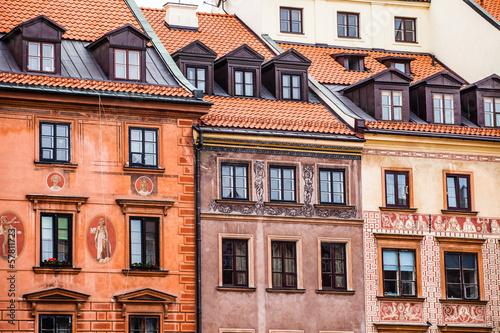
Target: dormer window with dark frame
[197,76]
[41,57]
[402,64]
[351,61]
[392,104]
[491,112]
[244,83]
[480,102]
[127,65]
[291,86]
[443,108]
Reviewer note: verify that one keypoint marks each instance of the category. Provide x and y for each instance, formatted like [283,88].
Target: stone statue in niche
[102,242]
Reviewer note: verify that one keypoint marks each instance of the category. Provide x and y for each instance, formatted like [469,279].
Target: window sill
[336,292]
[284,204]
[333,206]
[241,289]
[398,209]
[459,212]
[286,291]
[139,272]
[464,301]
[400,299]
[234,202]
[57,270]
[55,165]
[144,170]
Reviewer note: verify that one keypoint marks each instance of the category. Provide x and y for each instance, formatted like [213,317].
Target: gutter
[197,227]
[162,51]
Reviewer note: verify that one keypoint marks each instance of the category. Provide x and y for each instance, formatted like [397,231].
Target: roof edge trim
[481,11]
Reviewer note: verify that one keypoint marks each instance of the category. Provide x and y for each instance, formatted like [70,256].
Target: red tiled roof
[462,130]
[326,70]
[51,81]
[272,115]
[84,20]
[222,33]
[491,6]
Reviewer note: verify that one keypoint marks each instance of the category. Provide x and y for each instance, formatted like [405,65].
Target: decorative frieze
[401,311]
[464,313]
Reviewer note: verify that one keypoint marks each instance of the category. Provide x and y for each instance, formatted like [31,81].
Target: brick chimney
[181,16]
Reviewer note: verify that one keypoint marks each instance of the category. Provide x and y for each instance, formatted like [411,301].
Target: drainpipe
[197,227]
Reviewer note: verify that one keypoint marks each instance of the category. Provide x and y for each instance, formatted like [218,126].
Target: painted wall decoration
[144,185]
[405,221]
[11,235]
[464,224]
[55,181]
[464,313]
[101,239]
[401,311]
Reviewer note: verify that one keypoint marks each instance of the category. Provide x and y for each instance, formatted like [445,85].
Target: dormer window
[351,61]
[400,63]
[291,86]
[480,102]
[41,57]
[127,65]
[243,83]
[392,105]
[197,76]
[491,112]
[443,108]
[400,66]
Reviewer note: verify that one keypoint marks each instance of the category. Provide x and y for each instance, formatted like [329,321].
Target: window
[333,266]
[235,262]
[41,57]
[196,75]
[127,65]
[284,264]
[332,186]
[282,183]
[458,192]
[54,142]
[243,83]
[143,143]
[235,181]
[443,108]
[144,324]
[400,66]
[397,192]
[348,25]
[399,272]
[491,112]
[291,20]
[56,234]
[405,29]
[144,242]
[461,275]
[55,324]
[392,104]
[291,86]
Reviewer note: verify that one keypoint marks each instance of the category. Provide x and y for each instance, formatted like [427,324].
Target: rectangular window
[144,324]
[400,66]
[397,191]
[143,146]
[55,142]
[144,242]
[348,25]
[405,29]
[491,112]
[291,20]
[444,111]
[333,266]
[282,183]
[291,86]
[127,65]
[332,186]
[392,105]
[196,75]
[399,272]
[243,83]
[458,192]
[235,262]
[41,57]
[461,275]
[234,181]
[56,239]
[55,324]
[284,264]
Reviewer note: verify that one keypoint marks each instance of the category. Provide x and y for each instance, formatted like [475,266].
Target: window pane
[135,241]
[463,192]
[452,261]
[48,65]
[133,58]
[407,260]
[120,71]
[390,189]
[286,80]
[390,259]
[134,72]
[34,49]
[469,261]
[34,64]
[47,237]
[342,31]
[238,76]
[284,14]
[248,89]
[400,66]
[191,72]
[149,136]
[120,57]
[296,15]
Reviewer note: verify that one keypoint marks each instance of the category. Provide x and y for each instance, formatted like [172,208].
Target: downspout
[197,227]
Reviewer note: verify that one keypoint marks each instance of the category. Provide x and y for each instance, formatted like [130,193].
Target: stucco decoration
[55,181]
[463,224]
[464,313]
[11,235]
[101,239]
[401,311]
[259,173]
[307,175]
[405,221]
[144,185]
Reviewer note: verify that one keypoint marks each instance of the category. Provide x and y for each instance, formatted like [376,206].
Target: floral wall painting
[11,235]
[55,181]
[101,239]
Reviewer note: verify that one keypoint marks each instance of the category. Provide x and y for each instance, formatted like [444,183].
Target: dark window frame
[231,164]
[347,25]
[291,87]
[495,112]
[40,45]
[143,240]
[399,280]
[456,181]
[333,261]
[331,183]
[54,148]
[392,104]
[396,173]
[283,258]
[143,324]
[404,30]
[55,325]
[127,65]
[281,168]
[234,271]
[143,153]
[244,83]
[290,21]
[196,79]
[55,237]
[443,108]
[461,270]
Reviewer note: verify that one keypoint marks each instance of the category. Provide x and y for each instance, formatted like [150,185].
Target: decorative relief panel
[464,224]
[464,313]
[401,311]
[405,221]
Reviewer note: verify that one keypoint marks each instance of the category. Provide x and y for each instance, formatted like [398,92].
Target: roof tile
[491,6]
[432,128]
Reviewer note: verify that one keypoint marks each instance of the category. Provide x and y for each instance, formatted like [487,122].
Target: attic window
[351,61]
[400,63]
[127,65]
[41,57]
